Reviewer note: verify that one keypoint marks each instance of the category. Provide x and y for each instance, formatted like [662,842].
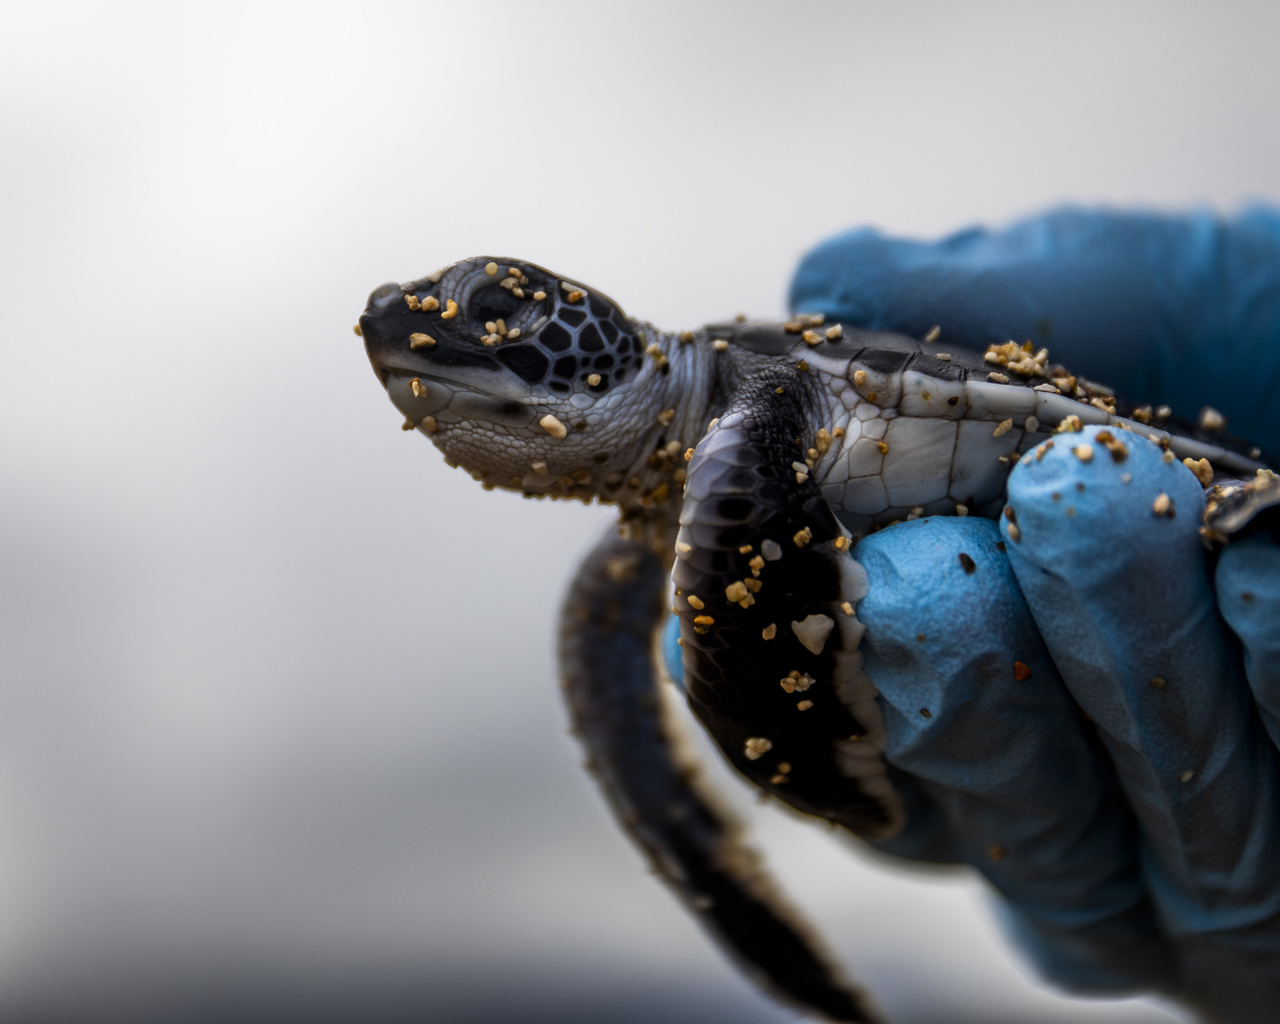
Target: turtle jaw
[419,394]
[500,441]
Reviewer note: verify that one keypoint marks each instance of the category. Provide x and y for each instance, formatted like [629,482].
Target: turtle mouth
[418,394]
[390,369]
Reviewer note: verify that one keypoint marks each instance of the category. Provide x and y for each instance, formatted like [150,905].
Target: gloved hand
[1088,706]
[1085,704]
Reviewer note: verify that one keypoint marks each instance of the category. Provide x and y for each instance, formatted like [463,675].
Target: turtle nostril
[382,296]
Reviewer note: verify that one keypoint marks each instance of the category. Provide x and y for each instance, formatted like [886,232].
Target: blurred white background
[280,733]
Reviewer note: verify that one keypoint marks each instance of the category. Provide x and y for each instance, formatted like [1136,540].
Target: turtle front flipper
[608,624]
[765,591]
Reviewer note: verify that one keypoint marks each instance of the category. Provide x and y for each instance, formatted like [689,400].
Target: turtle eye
[493,303]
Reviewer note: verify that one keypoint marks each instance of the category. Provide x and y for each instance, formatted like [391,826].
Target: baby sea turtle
[745,458]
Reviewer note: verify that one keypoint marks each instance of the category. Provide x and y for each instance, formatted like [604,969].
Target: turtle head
[517,374]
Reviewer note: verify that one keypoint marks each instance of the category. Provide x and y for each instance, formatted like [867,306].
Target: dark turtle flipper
[766,591]
[607,639]
[1234,504]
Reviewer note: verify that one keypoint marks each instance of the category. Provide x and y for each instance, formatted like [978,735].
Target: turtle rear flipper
[614,606]
[1234,504]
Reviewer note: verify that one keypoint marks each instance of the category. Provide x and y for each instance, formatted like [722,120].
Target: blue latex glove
[1091,715]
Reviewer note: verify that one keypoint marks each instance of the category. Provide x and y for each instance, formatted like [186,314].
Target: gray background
[280,735]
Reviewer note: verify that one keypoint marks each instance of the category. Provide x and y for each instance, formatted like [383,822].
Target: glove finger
[1164,309]
[978,717]
[1119,587]
[1248,583]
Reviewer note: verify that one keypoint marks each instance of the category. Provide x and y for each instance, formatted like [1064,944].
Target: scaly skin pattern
[745,458]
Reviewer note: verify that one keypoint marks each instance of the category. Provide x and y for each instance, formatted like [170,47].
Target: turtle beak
[373,319]
[382,297]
